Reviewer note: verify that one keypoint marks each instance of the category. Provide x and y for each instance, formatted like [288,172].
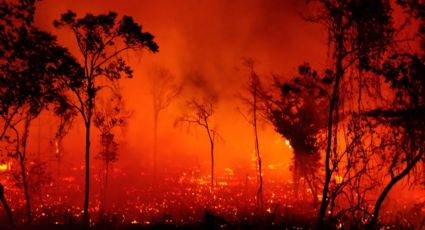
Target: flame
[4,166]
[288,143]
[57,147]
[338,179]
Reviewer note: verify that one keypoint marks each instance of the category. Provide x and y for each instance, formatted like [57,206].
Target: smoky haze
[202,43]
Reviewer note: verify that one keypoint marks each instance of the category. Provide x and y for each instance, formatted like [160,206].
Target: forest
[212,114]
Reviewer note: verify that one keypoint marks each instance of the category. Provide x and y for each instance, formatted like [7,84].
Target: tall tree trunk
[87,157]
[22,159]
[333,103]
[25,183]
[58,170]
[212,155]
[87,175]
[257,148]
[212,165]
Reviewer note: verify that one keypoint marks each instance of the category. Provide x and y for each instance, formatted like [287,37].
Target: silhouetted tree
[298,114]
[32,67]
[256,93]
[109,115]
[164,90]
[5,205]
[102,40]
[404,71]
[358,33]
[200,114]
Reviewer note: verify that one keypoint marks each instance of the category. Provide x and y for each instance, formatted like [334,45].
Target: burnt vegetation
[355,126]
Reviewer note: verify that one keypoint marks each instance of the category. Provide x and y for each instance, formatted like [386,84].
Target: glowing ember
[5,166]
[57,148]
[288,143]
[338,130]
[339,179]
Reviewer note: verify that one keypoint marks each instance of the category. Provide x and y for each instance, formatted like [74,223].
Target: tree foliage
[102,40]
[33,68]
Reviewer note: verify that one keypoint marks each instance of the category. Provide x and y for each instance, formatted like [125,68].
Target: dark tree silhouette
[102,40]
[255,106]
[32,67]
[292,116]
[358,33]
[200,114]
[5,205]
[405,116]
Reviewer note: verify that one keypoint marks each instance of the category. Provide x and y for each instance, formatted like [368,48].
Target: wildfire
[4,166]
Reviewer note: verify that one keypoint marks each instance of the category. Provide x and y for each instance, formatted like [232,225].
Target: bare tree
[255,92]
[164,90]
[200,115]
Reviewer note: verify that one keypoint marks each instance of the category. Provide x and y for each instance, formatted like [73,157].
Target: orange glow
[288,143]
[5,166]
[202,44]
[339,179]
[57,148]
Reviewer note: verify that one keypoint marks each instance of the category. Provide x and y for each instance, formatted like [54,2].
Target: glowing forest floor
[184,201]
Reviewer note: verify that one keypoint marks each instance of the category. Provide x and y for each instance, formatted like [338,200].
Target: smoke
[201,43]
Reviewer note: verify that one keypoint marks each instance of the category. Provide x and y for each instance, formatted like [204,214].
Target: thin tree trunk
[332,105]
[59,167]
[6,206]
[257,148]
[212,165]
[26,193]
[87,156]
[310,183]
[388,188]
[22,159]
[212,154]
[87,176]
